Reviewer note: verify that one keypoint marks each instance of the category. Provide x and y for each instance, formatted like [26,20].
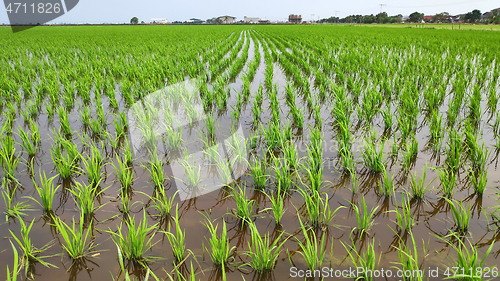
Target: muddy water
[432,214]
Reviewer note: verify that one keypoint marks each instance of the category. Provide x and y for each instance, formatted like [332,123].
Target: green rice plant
[258,169]
[77,242]
[454,151]
[162,203]
[31,254]
[263,251]
[238,149]
[126,206]
[123,173]
[461,214]
[290,153]
[272,135]
[92,169]
[244,206]
[317,209]
[364,218]
[448,180]
[313,250]
[468,265]
[85,197]
[211,151]
[436,129]
[374,160]
[313,176]
[193,176]
[12,275]
[354,182]
[65,164]
[277,205]
[478,180]
[479,156]
[386,186]
[127,154]
[9,162]
[218,248]
[284,179]
[125,271]
[177,241]
[314,158]
[46,191]
[409,260]
[64,121]
[13,210]
[418,187]
[174,138]
[366,260]
[404,218]
[410,153]
[210,126]
[387,116]
[298,117]
[28,142]
[134,242]
[155,169]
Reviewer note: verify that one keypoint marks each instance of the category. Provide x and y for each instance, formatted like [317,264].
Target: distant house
[488,14]
[264,22]
[251,20]
[227,19]
[295,18]
[428,18]
[159,21]
[195,20]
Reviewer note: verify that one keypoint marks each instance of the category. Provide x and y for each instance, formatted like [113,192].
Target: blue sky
[119,11]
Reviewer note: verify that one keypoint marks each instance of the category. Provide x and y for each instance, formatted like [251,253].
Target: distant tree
[441,17]
[473,16]
[142,22]
[134,20]
[416,17]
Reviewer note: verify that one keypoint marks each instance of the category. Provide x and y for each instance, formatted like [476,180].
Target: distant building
[295,18]
[194,20]
[227,19]
[251,20]
[264,22]
[159,21]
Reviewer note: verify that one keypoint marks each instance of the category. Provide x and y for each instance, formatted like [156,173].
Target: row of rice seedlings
[30,253]
[283,176]
[77,242]
[13,210]
[155,169]
[192,174]
[162,203]
[134,242]
[272,135]
[263,251]
[46,191]
[218,248]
